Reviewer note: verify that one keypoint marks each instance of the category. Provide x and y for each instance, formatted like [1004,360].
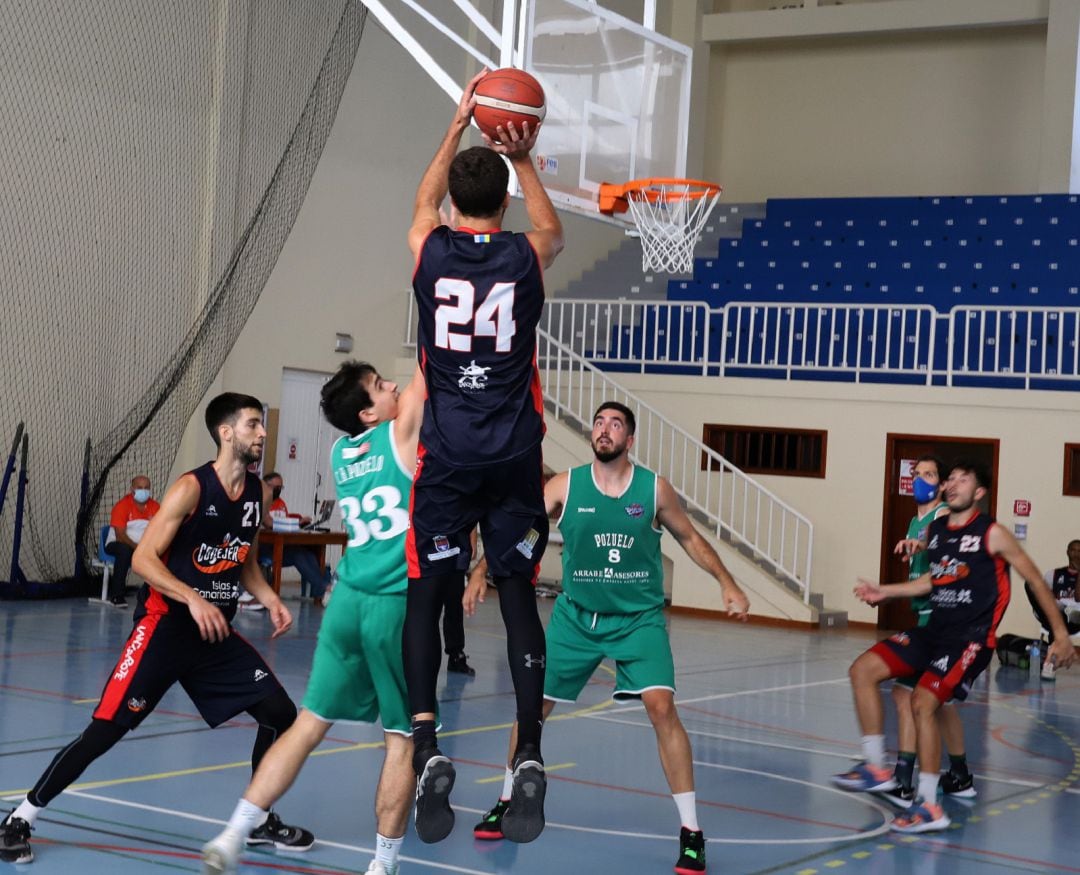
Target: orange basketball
[508,95]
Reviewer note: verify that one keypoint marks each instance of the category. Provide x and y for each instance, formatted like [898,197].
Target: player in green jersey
[611,607]
[927,477]
[357,673]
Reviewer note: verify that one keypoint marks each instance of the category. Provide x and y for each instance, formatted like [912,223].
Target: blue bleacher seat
[941,251]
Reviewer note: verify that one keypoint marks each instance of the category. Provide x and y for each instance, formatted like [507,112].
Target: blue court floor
[768,711]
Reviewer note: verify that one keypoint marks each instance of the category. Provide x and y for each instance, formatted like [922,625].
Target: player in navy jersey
[196,553]
[968,586]
[479,293]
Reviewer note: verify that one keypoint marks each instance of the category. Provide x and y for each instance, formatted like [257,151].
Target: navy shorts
[506,500]
[947,667]
[222,678]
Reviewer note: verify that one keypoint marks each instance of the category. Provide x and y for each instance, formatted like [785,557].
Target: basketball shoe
[865,778]
[433,817]
[523,820]
[489,829]
[15,840]
[281,835]
[923,816]
[691,852]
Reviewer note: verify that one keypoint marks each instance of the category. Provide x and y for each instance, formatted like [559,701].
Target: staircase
[770,542]
[619,274]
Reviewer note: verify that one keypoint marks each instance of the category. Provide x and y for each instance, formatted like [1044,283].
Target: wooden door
[899,509]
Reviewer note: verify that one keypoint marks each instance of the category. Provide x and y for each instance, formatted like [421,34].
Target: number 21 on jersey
[494,318]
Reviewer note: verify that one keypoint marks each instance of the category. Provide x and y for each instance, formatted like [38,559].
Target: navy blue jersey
[479,298]
[1062,582]
[970,586]
[209,548]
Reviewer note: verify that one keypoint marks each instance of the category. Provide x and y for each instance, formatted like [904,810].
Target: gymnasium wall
[947,112]
[944,113]
[846,506]
[346,266]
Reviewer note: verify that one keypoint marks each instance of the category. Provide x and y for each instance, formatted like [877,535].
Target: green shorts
[578,640]
[357,674]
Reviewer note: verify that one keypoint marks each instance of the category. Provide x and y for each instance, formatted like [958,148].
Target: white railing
[979,345]
[733,503]
[638,335]
[1014,344]
[854,339]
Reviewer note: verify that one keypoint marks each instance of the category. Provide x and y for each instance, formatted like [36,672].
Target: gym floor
[768,711]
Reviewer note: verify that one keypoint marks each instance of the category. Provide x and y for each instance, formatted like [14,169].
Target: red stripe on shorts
[124,671]
[943,690]
[897,667]
[411,557]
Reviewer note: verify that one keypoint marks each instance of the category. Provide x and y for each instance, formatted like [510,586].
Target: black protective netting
[155,155]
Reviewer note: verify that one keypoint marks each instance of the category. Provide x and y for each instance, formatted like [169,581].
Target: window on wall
[1072,470]
[795,452]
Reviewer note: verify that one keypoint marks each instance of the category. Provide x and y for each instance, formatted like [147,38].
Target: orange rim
[616,198]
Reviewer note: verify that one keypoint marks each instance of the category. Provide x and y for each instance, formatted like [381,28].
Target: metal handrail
[734,505]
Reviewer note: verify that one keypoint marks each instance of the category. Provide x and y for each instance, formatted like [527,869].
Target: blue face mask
[142,495]
[924,492]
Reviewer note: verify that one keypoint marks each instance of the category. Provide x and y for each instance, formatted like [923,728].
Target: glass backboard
[618,100]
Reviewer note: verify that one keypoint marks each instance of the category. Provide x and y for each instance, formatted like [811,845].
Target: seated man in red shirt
[129,518]
[303,559]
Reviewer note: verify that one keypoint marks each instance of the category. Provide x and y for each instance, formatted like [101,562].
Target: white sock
[873,750]
[246,817]
[928,786]
[508,785]
[387,850]
[687,805]
[26,811]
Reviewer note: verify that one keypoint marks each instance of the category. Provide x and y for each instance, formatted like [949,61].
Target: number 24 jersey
[479,297]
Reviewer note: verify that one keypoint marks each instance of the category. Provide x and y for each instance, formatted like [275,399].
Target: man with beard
[194,555]
[612,604]
[969,589]
[357,675]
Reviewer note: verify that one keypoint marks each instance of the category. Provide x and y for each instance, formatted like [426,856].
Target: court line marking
[494,779]
[887,814]
[246,764]
[1014,782]
[736,693]
[173,812]
[568,826]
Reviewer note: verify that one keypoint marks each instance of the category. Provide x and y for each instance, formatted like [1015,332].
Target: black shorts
[947,667]
[222,678]
[506,500]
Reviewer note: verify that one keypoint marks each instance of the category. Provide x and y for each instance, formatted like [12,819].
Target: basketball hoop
[669,215]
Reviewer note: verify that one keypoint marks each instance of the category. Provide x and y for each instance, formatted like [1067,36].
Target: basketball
[508,95]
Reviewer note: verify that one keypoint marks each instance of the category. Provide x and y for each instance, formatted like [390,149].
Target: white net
[156,154]
[670,216]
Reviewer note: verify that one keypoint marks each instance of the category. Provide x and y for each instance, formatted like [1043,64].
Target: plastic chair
[103,561]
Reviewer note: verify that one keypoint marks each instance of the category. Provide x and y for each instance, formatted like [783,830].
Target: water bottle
[1034,658]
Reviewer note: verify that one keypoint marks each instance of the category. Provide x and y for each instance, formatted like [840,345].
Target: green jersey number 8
[390,519]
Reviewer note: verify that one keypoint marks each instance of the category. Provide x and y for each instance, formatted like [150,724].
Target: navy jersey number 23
[479,297]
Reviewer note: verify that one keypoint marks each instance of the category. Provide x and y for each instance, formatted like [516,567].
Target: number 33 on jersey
[373,494]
